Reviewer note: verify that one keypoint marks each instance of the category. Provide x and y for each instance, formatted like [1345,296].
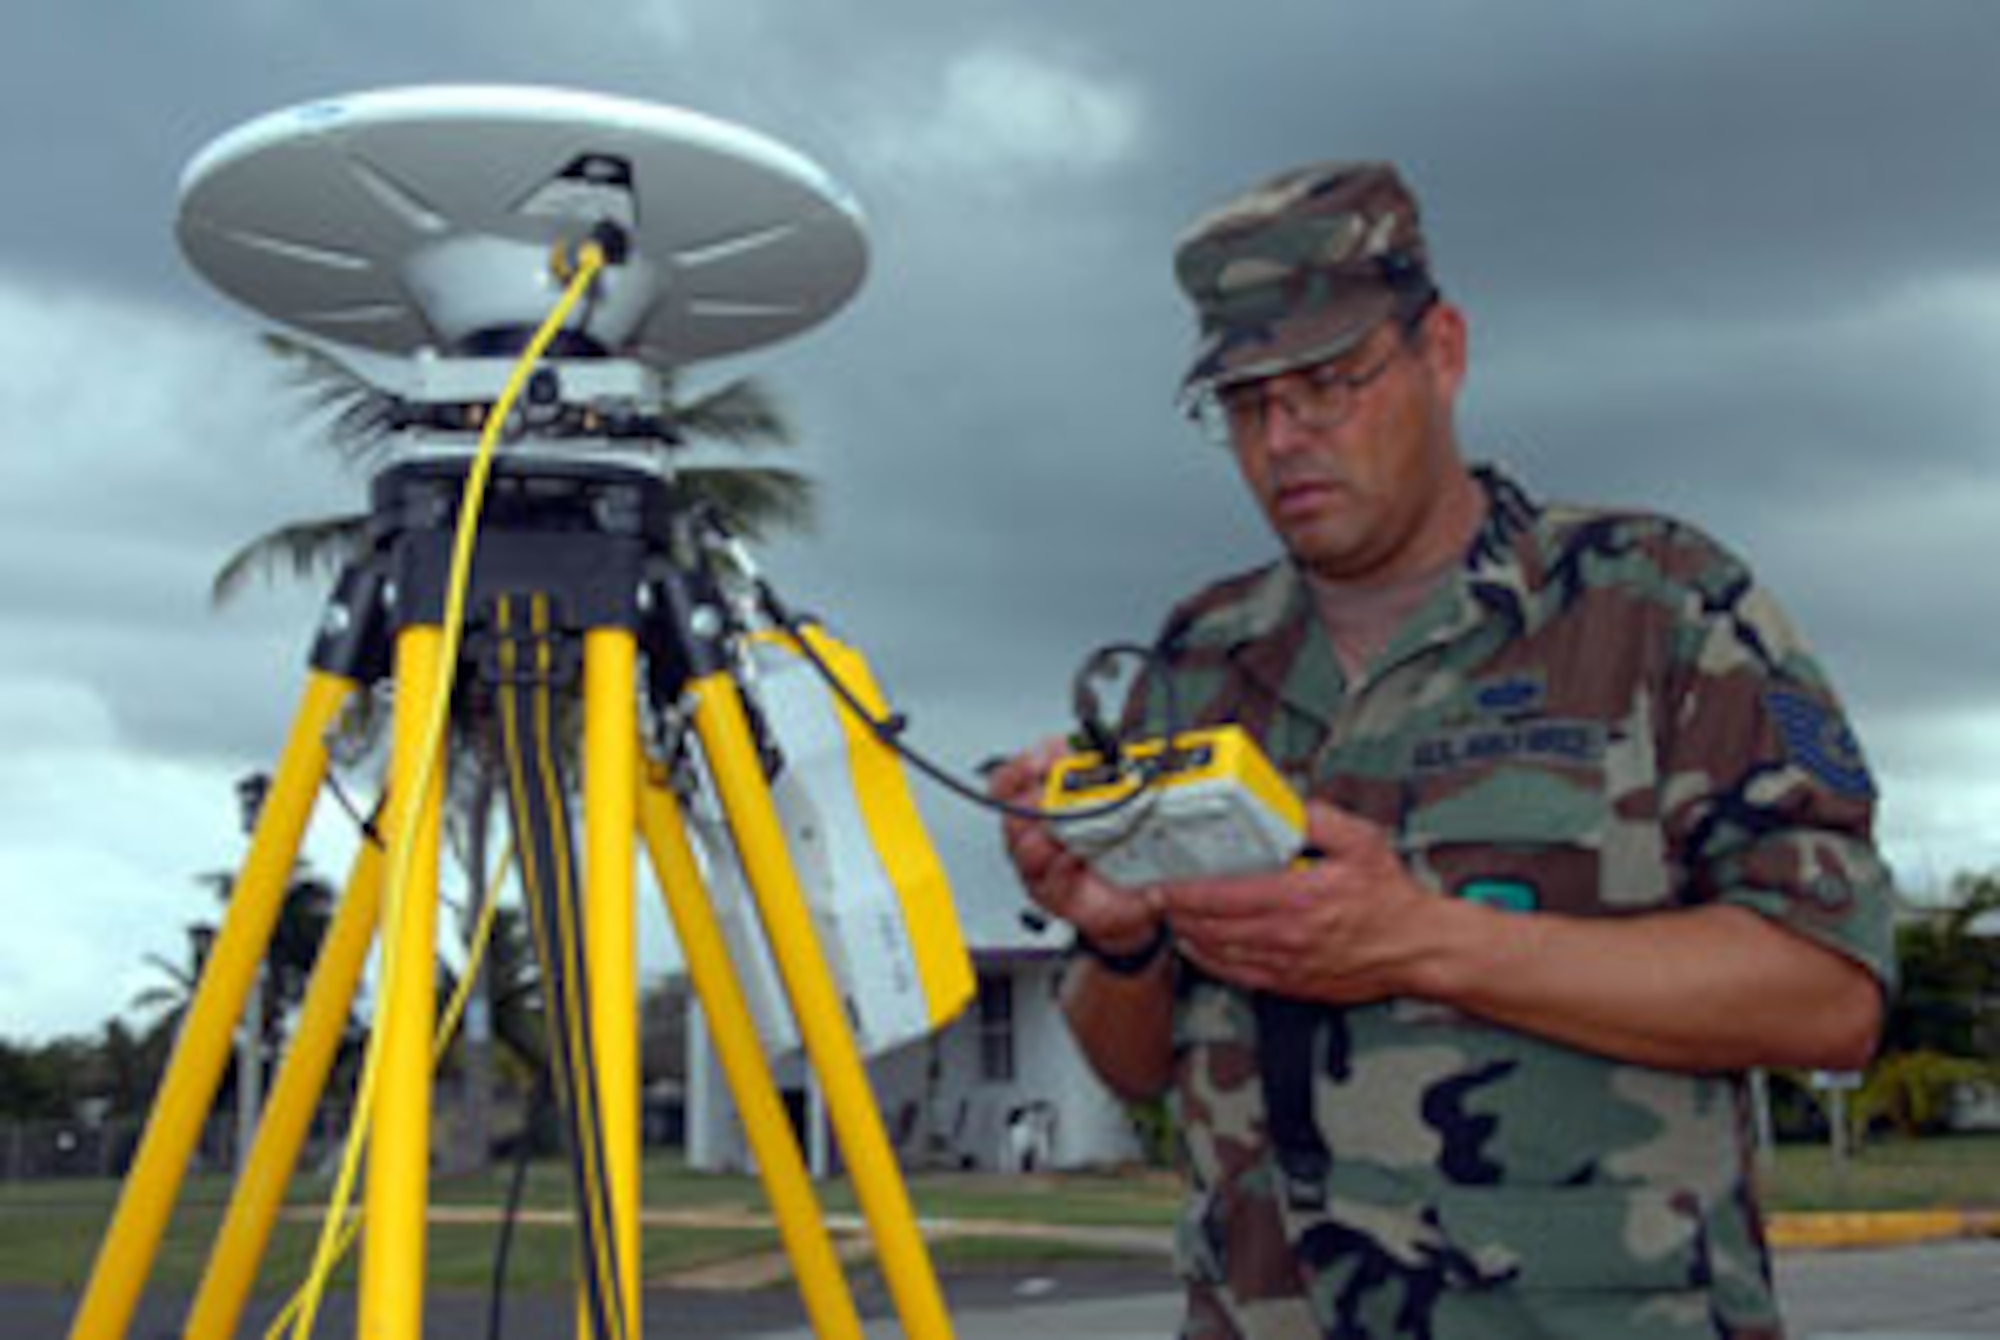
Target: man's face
[1357,496]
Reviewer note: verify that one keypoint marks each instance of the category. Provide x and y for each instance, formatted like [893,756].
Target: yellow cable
[475,958]
[590,259]
[482,935]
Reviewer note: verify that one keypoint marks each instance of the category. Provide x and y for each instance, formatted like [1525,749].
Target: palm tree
[168,1001]
[303,917]
[360,420]
[757,501]
[131,1063]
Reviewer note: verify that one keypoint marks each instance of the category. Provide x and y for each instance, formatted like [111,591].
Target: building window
[996,1029]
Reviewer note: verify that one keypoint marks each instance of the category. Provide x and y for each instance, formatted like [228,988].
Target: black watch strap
[1132,962]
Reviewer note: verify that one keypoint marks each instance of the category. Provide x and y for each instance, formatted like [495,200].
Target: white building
[1002,1087]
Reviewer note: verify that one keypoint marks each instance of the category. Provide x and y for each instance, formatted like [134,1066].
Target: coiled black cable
[891,729]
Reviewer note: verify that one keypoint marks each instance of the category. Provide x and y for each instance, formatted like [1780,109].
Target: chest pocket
[1523,835]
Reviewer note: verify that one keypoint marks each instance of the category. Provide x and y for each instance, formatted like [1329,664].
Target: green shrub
[1153,1124]
[1911,1091]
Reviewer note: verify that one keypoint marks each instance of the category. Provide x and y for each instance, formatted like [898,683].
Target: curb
[1811,1232]
[1785,1231]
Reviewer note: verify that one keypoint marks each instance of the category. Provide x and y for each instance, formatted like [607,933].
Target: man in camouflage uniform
[1590,839]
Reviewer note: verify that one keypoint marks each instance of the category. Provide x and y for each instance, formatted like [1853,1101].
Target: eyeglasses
[1322,395]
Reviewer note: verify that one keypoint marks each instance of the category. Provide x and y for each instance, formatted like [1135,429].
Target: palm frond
[361,414]
[171,995]
[742,413]
[301,549]
[155,998]
[756,500]
[178,975]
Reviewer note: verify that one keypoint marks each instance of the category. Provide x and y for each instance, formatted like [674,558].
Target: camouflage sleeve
[1767,800]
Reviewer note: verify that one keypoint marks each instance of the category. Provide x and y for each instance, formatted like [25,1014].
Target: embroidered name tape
[1577,742]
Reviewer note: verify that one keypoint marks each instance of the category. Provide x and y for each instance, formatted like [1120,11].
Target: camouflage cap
[1299,269]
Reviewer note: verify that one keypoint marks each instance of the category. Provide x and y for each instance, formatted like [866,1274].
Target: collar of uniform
[1258,624]
[1265,623]
[1503,567]
[1495,583]
[1265,602]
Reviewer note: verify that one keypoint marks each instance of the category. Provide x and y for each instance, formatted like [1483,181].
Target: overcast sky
[1738,260]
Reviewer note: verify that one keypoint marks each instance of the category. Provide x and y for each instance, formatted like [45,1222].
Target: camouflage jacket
[1599,714]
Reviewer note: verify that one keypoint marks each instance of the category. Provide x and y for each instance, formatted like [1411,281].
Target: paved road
[1941,1291]
[1935,1291]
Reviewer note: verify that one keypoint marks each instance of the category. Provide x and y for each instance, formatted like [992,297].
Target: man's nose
[1283,430]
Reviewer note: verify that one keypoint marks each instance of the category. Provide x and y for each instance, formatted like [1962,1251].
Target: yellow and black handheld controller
[1213,805]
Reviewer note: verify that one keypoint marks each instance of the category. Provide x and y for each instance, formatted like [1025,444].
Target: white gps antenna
[424,220]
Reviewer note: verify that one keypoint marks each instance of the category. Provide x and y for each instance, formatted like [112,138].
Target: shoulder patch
[1819,741]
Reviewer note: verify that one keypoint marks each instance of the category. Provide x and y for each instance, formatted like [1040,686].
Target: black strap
[1286,1028]
[1132,962]
[528,669]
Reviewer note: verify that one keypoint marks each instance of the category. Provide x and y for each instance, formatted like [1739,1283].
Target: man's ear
[1446,343]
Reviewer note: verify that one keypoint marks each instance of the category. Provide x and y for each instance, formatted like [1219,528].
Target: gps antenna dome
[430,219]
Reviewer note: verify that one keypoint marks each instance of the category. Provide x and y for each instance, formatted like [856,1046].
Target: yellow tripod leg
[132,1243]
[394,1243]
[753,817]
[610,786]
[260,1188]
[787,1186]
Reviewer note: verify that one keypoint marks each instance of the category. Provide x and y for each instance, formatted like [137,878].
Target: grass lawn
[1944,1172]
[49,1231]
[1098,1200]
[51,1239]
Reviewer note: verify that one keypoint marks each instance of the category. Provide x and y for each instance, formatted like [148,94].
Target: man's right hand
[1122,1023]
[1115,920]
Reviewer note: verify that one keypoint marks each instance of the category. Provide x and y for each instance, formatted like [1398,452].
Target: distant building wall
[1001,1087]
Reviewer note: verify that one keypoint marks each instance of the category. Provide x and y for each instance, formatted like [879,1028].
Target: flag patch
[1818,740]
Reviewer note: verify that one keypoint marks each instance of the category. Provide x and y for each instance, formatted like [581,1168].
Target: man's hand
[1347,926]
[1704,988]
[1114,919]
[1122,1022]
